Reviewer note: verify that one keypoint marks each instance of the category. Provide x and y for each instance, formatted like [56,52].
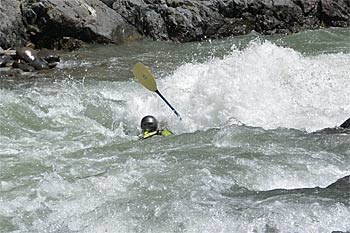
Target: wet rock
[52,58]
[4,59]
[30,56]
[27,59]
[27,54]
[40,64]
[20,64]
[48,55]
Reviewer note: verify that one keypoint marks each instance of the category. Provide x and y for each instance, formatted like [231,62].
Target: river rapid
[249,155]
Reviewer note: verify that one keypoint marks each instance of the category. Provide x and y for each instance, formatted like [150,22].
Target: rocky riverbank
[45,23]
[25,59]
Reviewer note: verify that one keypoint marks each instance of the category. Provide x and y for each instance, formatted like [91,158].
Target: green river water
[249,155]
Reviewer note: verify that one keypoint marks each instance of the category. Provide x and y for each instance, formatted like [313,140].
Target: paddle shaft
[161,96]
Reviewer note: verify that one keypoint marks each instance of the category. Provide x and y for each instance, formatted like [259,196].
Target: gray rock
[47,22]
[87,20]
[190,20]
[334,13]
[12,30]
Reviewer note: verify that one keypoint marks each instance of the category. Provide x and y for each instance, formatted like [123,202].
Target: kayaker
[149,126]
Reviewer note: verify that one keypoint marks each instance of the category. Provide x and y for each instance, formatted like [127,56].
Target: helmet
[149,123]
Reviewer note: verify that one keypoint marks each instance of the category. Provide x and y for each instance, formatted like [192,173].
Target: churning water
[249,155]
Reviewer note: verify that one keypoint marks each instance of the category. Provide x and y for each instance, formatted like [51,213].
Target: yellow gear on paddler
[149,126]
[163,132]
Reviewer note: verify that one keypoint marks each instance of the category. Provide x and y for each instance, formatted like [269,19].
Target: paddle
[146,79]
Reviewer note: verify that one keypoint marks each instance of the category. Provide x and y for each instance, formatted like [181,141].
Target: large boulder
[12,30]
[88,20]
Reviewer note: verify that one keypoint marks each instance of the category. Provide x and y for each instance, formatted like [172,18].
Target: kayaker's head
[149,123]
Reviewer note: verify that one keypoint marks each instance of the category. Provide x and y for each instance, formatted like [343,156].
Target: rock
[86,20]
[20,64]
[40,64]
[31,57]
[4,59]
[2,52]
[12,29]
[334,13]
[68,43]
[47,23]
[189,20]
[48,56]
[27,54]
[346,124]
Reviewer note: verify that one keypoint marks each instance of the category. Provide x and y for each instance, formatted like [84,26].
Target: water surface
[249,155]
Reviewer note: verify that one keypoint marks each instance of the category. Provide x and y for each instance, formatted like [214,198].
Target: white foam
[263,85]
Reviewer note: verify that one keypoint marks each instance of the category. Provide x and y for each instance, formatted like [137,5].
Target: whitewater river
[249,155]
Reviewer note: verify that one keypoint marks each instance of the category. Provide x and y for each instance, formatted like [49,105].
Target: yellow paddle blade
[144,76]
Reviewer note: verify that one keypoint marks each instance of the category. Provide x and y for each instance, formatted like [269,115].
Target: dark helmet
[149,123]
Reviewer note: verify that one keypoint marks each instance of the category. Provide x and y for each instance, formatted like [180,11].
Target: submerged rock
[341,184]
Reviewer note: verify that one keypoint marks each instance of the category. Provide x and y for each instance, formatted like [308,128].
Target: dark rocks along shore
[62,24]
